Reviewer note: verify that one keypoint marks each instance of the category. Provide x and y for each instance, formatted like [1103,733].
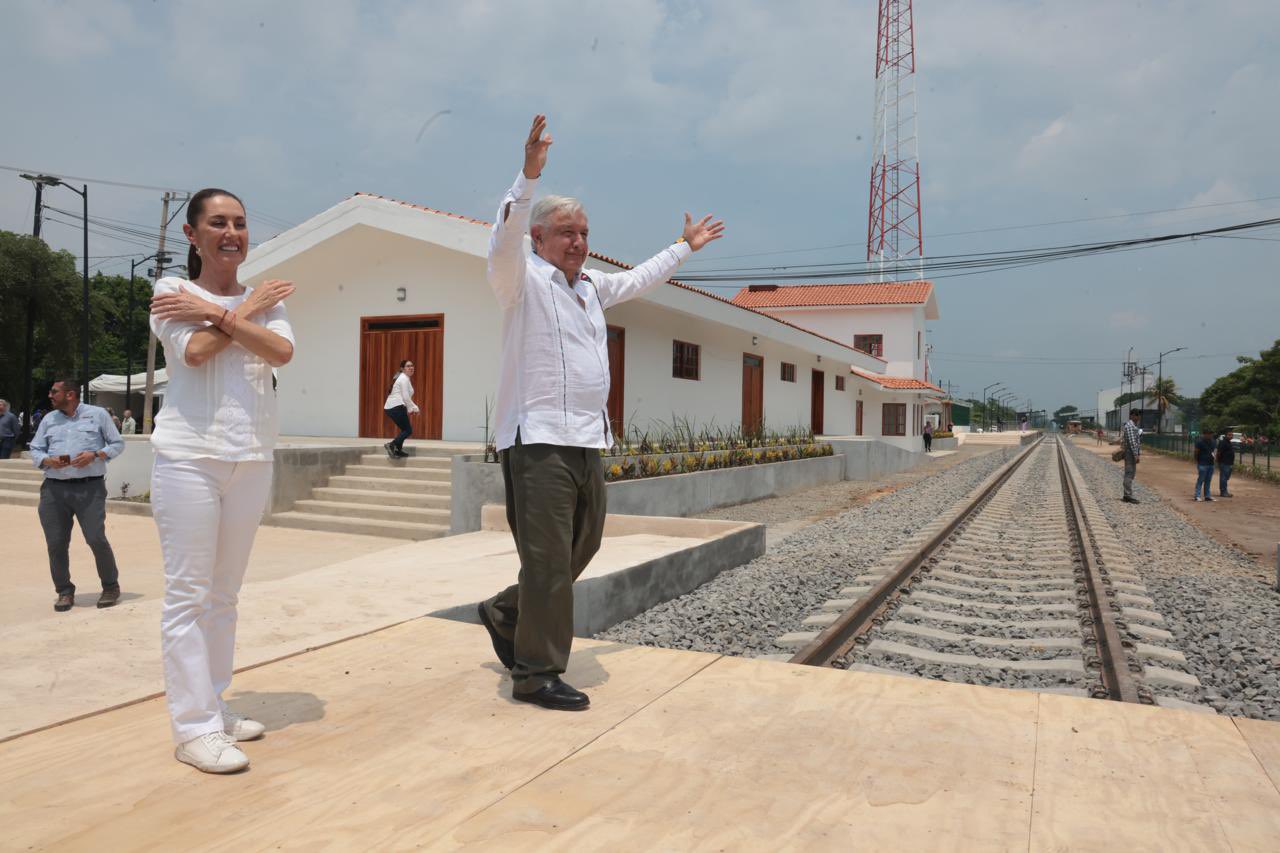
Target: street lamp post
[984,402]
[1159,382]
[51,181]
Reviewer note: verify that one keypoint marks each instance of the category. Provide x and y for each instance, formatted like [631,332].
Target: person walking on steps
[1131,444]
[553,390]
[1203,453]
[71,446]
[1226,460]
[214,442]
[399,406]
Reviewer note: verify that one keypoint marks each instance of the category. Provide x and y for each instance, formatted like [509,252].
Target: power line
[997,228]
[990,261]
[94,180]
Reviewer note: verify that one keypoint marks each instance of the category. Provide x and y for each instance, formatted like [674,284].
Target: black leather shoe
[65,602]
[109,597]
[502,647]
[1129,500]
[557,696]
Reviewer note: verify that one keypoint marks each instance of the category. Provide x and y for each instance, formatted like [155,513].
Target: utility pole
[148,398]
[1160,384]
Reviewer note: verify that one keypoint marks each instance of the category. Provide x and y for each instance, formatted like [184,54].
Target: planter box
[476,483]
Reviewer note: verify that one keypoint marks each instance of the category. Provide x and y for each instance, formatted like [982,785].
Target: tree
[1165,394]
[40,287]
[112,326]
[1248,397]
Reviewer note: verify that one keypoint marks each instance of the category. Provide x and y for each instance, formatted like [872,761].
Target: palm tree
[1165,393]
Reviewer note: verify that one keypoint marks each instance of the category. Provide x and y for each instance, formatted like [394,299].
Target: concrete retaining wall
[476,483]
[872,459]
[946,443]
[601,602]
[297,471]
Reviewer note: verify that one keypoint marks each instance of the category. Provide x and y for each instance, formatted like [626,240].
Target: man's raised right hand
[535,148]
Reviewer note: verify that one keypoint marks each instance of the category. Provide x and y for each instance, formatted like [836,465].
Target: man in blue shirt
[72,447]
[9,429]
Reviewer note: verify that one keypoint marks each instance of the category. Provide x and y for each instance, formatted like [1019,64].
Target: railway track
[1024,585]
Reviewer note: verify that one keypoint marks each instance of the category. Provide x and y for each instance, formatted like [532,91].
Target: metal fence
[1256,453]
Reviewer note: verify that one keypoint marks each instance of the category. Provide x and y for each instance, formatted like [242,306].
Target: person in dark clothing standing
[1203,453]
[9,430]
[1226,459]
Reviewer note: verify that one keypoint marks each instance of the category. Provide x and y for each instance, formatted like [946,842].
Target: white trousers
[207,512]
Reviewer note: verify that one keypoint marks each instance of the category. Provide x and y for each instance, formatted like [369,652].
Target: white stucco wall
[898,323]
[356,274]
[650,392]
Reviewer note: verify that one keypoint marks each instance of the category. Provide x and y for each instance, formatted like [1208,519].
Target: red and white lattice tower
[894,235]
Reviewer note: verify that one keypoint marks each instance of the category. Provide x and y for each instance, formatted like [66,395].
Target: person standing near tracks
[1131,444]
[214,442]
[553,390]
[1203,455]
[1226,461]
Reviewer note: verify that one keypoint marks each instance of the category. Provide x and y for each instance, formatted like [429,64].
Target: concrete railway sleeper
[1023,586]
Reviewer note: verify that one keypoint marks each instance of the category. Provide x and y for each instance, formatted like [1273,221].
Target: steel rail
[1117,680]
[837,639]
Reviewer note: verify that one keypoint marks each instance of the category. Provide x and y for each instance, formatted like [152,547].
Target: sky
[1032,117]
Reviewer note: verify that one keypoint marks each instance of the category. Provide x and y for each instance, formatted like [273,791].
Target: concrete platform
[56,666]
[407,737]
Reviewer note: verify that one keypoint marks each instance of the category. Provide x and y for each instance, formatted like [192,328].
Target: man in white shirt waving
[551,418]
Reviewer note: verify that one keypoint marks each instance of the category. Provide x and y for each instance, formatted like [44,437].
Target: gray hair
[550,205]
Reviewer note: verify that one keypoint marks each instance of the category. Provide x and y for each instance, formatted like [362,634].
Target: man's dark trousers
[556,509]
[84,501]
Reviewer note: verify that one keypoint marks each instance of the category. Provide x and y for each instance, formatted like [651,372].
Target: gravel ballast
[1217,602]
[743,610]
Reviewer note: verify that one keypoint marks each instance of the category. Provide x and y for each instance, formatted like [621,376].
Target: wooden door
[384,343]
[858,419]
[817,401]
[617,369]
[752,393]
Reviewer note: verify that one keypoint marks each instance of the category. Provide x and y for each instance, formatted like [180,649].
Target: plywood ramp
[408,738]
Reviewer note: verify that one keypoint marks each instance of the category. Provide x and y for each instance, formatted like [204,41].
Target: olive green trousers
[556,510]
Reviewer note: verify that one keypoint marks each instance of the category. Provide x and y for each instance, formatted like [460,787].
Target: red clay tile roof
[897,383]
[865,293]
[617,263]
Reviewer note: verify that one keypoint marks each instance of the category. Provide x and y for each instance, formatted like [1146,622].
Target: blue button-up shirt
[90,428]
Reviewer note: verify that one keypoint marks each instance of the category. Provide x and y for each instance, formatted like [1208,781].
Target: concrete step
[418,515]
[18,498]
[398,473]
[20,472]
[15,485]
[381,497]
[435,463]
[390,484]
[364,526]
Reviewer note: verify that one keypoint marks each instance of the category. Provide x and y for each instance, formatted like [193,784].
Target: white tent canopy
[110,383]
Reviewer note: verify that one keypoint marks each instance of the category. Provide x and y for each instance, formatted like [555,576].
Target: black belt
[72,479]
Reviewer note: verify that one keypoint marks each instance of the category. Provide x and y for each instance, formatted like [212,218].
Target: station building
[380,280]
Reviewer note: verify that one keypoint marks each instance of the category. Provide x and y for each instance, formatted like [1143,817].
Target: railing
[1254,454]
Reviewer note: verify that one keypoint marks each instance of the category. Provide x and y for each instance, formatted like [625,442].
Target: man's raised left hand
[700,233]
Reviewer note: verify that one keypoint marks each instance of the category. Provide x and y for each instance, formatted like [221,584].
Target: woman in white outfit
[214,441]
[399,406]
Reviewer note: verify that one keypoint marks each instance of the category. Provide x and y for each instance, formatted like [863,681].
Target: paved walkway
[303,589]
[1249,521]
[408,738]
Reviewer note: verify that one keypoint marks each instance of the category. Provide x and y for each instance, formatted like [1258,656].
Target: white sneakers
[240,727]
[215,752]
